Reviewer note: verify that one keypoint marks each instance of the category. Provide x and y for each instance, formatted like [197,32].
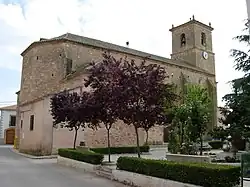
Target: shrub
[216,144]
[84,156]
[203,174]
[120,150]
[240,144]
[229,159]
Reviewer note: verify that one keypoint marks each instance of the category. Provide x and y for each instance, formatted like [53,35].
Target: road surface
[18,171]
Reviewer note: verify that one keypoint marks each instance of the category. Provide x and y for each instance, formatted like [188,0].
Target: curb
[33,157]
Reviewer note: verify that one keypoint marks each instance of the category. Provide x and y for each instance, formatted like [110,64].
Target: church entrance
[10,135]
[166,134]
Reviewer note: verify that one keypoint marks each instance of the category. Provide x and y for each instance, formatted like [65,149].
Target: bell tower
[192,42]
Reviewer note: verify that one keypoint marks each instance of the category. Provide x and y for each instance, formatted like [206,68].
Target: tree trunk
[108,130]
[201,140]
[137,142]
[75,138]
[234,148]
[146,138]
[182,134]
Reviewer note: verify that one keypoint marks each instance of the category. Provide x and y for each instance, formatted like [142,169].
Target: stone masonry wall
[46,75]
[120,135]
[42,70]
[44,67]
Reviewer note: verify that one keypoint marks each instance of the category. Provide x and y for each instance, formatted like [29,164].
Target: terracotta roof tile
[109,46]
[11,107]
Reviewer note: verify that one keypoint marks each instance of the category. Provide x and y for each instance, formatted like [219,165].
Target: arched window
[183,40]
[203,39]
[200,80]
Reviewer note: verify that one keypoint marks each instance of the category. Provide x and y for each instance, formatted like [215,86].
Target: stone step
[105,174]
[158,146]
[105,169]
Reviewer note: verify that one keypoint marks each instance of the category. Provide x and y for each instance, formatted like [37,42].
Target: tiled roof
[193,21]
[109,46]
[11,107]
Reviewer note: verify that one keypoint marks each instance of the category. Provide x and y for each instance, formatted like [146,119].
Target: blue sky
[145,23]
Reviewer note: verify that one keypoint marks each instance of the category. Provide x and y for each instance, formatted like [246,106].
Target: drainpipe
[248,15]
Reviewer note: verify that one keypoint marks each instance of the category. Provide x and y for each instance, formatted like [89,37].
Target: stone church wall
[44,73]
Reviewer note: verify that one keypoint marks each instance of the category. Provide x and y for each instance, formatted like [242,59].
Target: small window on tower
[31,122]
[68,66]
[203,39]
[183,40]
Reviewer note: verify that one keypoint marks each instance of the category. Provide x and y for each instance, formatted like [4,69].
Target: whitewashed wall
[5,120]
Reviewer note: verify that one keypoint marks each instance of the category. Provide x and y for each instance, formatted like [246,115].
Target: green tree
[236,113]
[191,118]
[219,133]
[179,139]
[199,104]
[181,121]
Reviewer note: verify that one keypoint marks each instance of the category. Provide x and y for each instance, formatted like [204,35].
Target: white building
[7,118]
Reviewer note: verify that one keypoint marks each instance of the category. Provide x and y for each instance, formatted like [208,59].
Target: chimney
[127,43]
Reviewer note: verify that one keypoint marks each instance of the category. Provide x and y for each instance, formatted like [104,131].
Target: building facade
[52,65]
[7,119]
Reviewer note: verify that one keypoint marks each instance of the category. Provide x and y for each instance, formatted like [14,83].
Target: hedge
[203,174]
[83,156]
[120,150]
[216,144]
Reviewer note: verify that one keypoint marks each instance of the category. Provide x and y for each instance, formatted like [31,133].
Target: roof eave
[41,42]
[29,47]
[192,22]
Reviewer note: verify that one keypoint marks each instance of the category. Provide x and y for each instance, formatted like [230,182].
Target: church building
[52,65]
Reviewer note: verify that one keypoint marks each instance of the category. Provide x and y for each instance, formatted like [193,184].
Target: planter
[82,148]
[106,163]
[77,164]
[138,180]
[188,158]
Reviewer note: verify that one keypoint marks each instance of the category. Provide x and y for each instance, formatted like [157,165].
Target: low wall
[135,179]
[77,164]
[188,158]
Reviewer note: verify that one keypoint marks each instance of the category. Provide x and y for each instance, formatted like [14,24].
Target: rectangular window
[31,122]
[12,121]
[21,124]
[68,66]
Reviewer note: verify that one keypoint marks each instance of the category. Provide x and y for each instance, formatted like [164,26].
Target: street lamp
[248,15]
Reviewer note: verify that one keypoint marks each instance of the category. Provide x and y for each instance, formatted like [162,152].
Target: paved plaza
[18,171]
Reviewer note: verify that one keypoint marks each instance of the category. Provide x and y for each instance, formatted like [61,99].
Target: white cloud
[145,23]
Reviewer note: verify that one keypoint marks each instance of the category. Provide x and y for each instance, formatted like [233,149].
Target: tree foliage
[144,94]
[120,89]
[191,118]
[236,113]
[131,92]
[73,111]
[199,102]
[219,133]
[104,78]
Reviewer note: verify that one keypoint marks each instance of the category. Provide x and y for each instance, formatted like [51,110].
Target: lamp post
[248,14]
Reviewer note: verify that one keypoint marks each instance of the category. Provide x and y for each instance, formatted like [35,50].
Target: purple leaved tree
[129,92]
[73,111]
[144,93]
[104,79]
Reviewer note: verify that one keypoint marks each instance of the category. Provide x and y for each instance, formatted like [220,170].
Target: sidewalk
[33,157]
[154,153]
[246,184]
[1,141]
